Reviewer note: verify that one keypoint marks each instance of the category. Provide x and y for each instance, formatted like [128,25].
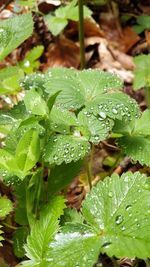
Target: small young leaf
[51,100]
[55,24]
[65,148]
[35,104]
[11,33]
[10,80]
[28,150]
[5,206]
[62,14]
[43,232]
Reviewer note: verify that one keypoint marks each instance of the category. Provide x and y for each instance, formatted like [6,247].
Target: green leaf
[28,150]
[11,33]
[138,28]
[61,176]
[34,53]
[65,148]
[35,104]
[62,14]
[115,106]
[8,164]
[19,240]
[43,232]
[144,20]
[71,216]
[5,206]
[79,87]
[51,100]
[137,148]
[135,141]
[94,127]
[142,74]
[55,24]
[30,63]
[10,80]
[76,248]
[119,209]
[62,121]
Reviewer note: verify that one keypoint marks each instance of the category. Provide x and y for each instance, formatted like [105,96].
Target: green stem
[89,174]
[89,167]
[9,226]
[147,261]
[147,96]
[81,34]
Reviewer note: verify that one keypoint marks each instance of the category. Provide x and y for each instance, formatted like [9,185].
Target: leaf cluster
[112,221]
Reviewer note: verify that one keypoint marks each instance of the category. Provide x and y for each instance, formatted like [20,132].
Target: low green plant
[142,75]
[111,221]
[54,130]
[57,22]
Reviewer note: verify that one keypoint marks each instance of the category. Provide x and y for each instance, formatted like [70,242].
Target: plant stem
[89,174]
[147,96]
[9,226]
[89,167]
[81,34]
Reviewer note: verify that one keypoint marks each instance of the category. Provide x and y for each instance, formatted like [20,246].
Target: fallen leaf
[63,53]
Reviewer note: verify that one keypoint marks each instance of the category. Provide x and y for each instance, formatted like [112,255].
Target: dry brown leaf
[130,38]
[147,36]
[125,60]
[63,53]
[91,28]
[109,63]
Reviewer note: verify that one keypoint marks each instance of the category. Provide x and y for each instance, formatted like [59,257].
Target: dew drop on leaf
[128,207]
[119,219]
[114,111]
[102,114]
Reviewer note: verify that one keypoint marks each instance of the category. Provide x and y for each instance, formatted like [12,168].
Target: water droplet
[119,219]
[110,194]
[102,114]
[114,111]
[106,244]
[128,207]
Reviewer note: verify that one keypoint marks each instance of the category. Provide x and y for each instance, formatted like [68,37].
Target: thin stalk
[9,226]
[89,174]
[89,167]
[81,34]
[147,96]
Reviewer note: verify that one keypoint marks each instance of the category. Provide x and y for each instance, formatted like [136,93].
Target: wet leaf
[28,150]
[11,33]
[6,207]
[65,148]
